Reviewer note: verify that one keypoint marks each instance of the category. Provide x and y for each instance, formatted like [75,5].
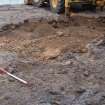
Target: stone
[60,33]
[51,53]
[86,73]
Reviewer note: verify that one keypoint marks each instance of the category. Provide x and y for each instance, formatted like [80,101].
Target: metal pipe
[17,78]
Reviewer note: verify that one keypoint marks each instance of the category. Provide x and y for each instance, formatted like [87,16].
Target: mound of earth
[38,39]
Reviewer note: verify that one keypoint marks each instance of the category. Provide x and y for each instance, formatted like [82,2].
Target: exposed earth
[64,63]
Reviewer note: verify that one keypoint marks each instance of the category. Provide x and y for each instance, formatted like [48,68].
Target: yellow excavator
[59,6]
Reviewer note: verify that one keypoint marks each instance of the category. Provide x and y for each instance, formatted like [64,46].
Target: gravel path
[19,13]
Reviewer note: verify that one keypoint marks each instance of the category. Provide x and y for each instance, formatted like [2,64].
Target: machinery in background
[59,6]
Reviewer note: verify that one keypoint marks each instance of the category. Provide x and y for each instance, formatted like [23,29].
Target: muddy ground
[64,63]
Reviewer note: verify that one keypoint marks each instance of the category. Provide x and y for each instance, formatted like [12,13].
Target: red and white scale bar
[3,71]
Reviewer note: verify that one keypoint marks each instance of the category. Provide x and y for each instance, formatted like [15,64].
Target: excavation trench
[75,75]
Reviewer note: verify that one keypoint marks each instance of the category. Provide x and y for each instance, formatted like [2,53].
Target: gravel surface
[19,13]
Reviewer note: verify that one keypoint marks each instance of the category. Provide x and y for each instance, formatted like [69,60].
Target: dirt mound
[43,40]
